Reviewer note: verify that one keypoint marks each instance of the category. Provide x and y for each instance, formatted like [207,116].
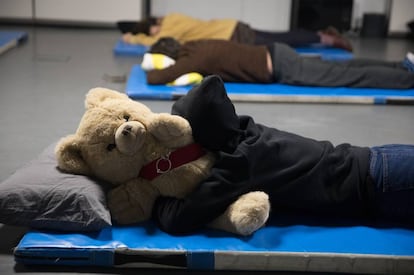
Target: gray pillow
[38,195]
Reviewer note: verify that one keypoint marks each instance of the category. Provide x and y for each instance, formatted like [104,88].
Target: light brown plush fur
[117,136]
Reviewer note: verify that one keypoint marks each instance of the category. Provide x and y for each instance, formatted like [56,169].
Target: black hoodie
[297,173]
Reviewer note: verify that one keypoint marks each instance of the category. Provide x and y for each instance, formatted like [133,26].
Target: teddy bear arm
[244,216]
[132,202]
[171,130]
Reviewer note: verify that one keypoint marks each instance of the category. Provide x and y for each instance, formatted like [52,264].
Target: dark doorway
[318,14]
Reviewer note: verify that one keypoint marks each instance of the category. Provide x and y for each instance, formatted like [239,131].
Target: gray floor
[42,88]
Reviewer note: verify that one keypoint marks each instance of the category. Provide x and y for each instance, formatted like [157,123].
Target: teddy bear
[145,155]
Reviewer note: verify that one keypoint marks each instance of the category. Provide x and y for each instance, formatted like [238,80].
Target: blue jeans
[392,171]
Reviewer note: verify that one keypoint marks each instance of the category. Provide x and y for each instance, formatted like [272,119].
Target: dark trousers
[292,38]
[291,68]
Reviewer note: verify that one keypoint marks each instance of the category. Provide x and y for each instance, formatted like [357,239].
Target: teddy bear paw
[250,212]
[167,128]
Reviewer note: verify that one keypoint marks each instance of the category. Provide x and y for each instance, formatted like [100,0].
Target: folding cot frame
[314,50]
[137,88]
[10,39]
[287,243]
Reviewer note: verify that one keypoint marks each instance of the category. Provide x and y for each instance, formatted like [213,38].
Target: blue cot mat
[325,53]
[10,39]
[287,243]
[124,49]
[314,50]
[137,88]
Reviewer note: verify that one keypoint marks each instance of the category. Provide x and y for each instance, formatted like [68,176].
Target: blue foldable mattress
[287,243]
[124,49]
[10,39]
[324,52]
[314,50]
[137,88]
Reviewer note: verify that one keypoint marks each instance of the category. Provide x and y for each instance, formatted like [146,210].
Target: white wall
[260,14]
[95,11]
[366,6]
[20,9]
[88,10]
[402,12]
[275,14]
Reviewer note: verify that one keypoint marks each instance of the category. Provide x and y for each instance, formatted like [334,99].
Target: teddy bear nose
[130,136]
[127,130]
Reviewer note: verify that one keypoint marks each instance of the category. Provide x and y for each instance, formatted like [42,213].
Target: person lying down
[275,63]
[186,28]
[298,173]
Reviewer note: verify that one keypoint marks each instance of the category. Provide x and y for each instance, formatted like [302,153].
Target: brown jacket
[233,62]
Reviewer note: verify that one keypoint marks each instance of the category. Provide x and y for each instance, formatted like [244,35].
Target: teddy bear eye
[111,146]
[126,117]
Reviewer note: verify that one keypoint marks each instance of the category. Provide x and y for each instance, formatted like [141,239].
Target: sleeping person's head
[148,26]
[167,46]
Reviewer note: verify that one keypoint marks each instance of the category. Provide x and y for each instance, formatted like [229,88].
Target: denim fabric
[392,170]
[408,64]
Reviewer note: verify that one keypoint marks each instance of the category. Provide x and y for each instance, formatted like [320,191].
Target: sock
[187,79]
[156,61]
[408,62]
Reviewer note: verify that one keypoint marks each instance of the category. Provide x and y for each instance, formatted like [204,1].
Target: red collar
[172,160]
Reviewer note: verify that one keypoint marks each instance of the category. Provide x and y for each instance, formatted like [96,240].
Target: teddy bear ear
[97,95]
[69,156]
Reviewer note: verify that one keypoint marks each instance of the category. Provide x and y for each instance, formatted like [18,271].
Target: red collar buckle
[172,160]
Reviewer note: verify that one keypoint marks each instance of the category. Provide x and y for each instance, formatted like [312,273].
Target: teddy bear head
[108,143]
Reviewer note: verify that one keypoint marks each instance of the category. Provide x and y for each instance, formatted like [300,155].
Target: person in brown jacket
[276,63]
